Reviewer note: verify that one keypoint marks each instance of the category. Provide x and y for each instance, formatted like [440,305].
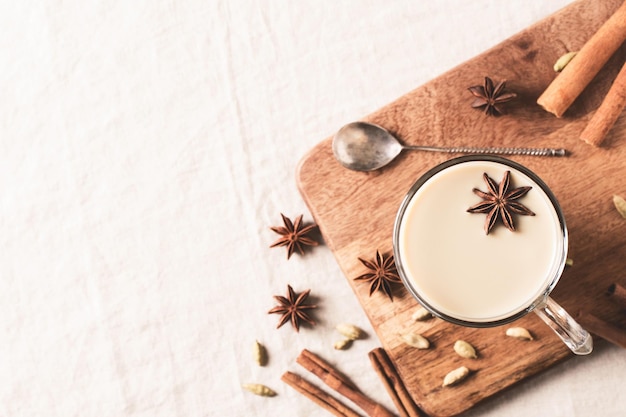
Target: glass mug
[469,277]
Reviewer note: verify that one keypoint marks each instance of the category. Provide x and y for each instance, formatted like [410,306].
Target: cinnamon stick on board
[568,85]
[394,385]
[608,112]
[602,329]
[340,383]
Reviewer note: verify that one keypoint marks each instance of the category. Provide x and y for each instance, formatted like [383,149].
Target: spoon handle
[493,151]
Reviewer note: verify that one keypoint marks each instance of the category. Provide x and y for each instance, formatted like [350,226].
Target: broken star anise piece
[490,98]
[499,203]
[382,273]
[294,235]
[293,308]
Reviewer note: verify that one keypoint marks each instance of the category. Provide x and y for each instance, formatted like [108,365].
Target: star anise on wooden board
[293,308]
[490,98]
[294,235]
[382,273]
[499,203]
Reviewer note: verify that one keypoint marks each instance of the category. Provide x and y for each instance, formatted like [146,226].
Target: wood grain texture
[356,211]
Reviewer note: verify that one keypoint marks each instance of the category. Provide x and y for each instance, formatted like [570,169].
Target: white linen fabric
[146,148]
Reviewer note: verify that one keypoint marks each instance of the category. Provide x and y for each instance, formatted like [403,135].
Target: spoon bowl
[362,146]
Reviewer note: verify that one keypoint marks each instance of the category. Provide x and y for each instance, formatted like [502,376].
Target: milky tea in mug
[469,277]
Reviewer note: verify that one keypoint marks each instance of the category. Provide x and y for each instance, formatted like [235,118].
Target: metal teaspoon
[362,146]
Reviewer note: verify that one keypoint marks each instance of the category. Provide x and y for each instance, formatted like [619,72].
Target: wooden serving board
[355,211]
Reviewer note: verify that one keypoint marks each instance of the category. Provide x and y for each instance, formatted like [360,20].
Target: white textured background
[145,149]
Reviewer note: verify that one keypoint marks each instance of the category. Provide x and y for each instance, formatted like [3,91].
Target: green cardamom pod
[455,376]
[259,389]
[464,349]
[563,61]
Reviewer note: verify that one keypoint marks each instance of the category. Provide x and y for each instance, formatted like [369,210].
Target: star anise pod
[382,273]
[499,203]
[294,235]
[491,97]
[293,308]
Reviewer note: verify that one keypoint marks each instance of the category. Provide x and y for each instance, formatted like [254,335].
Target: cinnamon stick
[568,85]
[337,381]
[393,384]
[323,370]
[617,293]
[605,117]
[318,396]
[602,329]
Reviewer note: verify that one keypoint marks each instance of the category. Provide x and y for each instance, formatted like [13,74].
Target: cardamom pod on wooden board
[519,333]
[620,205]
[455,376]
[416,340]
[564,60]
[421,314]
[464,349]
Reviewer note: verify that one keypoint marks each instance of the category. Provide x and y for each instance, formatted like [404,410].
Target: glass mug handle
[573,335]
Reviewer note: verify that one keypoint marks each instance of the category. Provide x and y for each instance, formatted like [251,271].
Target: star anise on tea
[500,203]
[382,273]
[293,308]
[293,235]
[490,97]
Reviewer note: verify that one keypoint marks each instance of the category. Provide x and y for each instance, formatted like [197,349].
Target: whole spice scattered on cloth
[490,98]
[294,235]
[293,308]
[382,273]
